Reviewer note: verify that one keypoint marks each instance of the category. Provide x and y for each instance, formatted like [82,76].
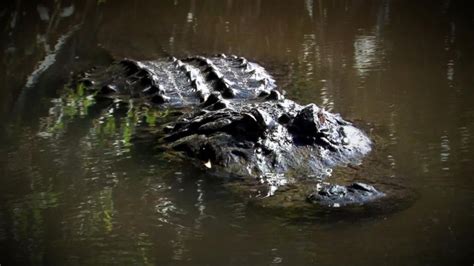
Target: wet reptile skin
[236,121]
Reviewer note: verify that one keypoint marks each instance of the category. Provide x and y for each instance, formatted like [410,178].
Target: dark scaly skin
[237,122]
[182,83]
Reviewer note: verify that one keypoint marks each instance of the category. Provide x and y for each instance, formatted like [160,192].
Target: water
[82,191]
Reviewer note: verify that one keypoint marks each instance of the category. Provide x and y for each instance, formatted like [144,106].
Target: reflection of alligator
[236,121]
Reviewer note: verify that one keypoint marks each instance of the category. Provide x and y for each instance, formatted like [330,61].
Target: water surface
[82,191]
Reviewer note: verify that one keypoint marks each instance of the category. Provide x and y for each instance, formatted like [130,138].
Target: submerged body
[235,121]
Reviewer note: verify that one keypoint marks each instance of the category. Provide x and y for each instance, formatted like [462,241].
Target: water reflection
[49,59]
[366,54]
[309,7]
[42,38]
[465,142]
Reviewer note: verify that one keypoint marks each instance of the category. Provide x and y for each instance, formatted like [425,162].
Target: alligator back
[181,83]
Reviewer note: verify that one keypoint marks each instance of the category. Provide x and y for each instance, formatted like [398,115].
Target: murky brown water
[89,196]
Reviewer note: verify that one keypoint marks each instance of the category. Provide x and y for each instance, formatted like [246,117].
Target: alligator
[235,122]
